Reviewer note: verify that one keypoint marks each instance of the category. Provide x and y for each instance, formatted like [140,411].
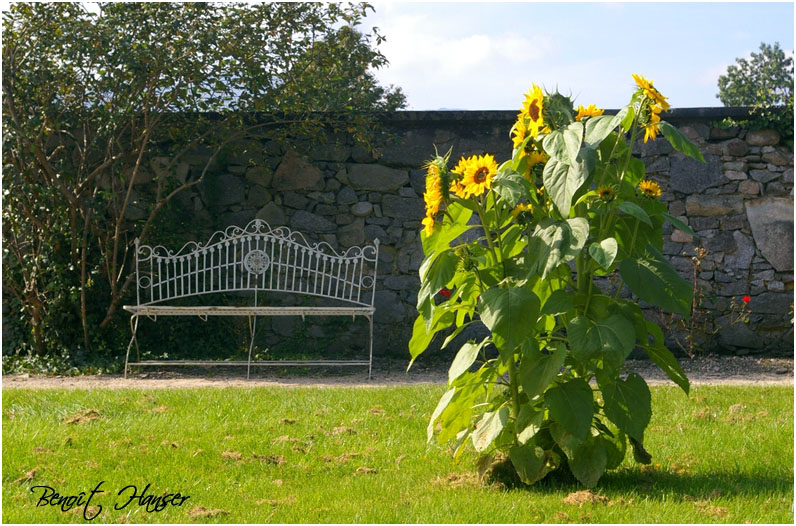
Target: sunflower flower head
[650,92]
[478,174]
[606,193]
[428,225]
[433,194]
[532,110]
[522,213]
[519,132]
[651,128]
[591,111]
[650,189]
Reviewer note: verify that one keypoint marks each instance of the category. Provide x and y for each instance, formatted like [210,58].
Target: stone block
[771,219]
[735,148]
[402,207]
[376,177]
[681,237]
[375,231]
[296,173]
[739,335]
[772,303]
[362,209]
[749,187]
[775,188]
[763,176]
[260,175]
[713,205]
[411,283]
[352,234]
[272,214]
[717,134]
[360,154]
[388,308]
[417,179]
[346,196]
[332,185]
[677,208]
[257,197]
[741,256]
[762,137]
[222,190]
[777,158]
[734,175]
[703,223]
[294,200]
[308,223]
[690,176]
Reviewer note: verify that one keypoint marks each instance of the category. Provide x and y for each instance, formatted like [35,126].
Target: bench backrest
[254,258]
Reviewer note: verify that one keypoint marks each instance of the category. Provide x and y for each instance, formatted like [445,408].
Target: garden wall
[740,203]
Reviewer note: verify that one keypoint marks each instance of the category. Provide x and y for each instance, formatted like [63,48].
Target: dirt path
[725,370]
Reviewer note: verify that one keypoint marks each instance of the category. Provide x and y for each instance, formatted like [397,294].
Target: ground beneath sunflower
[711,369]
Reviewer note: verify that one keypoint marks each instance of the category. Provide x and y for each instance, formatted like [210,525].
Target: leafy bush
[766,84]
[572,195]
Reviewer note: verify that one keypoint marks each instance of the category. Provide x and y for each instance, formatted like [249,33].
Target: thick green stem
[515,396]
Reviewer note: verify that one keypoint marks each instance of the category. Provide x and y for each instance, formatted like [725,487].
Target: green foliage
[100,111]
[553,396]
[766,84]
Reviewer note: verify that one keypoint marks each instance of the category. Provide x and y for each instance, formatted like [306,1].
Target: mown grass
[359,455]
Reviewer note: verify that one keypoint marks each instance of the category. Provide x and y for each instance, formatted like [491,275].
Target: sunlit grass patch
[359,455]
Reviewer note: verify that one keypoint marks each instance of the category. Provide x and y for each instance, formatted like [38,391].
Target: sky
[485,56]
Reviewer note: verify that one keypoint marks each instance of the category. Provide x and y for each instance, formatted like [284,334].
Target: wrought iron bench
[254,259]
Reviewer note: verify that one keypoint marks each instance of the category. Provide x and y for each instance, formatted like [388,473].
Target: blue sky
[484,56]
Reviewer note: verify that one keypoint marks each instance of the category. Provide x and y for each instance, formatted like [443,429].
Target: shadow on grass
[657,483]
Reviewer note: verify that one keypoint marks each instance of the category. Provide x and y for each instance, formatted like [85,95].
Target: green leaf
[530,421]
[510,314]
[464,359]
[538,370]
[438,274]
[571,404]
[636,211]
[562,181]
[588,462]
[442,236]
[530,461]
[604,252]
[680,142]
[421,336]
[664,358]
[679,225]
[441,405]
[555,146]
[628,405]
[573,136]
[489,427]
[598,128]
[615,448]
[559,302]
[556,242]
[511,186]
[614,336]
[655,281]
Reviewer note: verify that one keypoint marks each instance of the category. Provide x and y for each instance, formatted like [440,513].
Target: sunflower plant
[520,247]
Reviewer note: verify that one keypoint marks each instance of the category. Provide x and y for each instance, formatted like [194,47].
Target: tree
[94,102]
[766,83]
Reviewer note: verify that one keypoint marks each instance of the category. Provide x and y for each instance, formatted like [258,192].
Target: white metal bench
[254,259]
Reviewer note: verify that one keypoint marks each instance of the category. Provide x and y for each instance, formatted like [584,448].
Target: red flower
[747,299]
[445,293]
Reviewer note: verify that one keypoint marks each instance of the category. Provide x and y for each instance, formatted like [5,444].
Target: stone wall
[740,203]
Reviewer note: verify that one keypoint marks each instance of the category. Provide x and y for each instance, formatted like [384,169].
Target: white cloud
[427,58]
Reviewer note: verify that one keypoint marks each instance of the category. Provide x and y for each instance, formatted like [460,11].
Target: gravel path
[389,372]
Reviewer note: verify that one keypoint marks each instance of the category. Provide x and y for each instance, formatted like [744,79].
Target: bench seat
[167,310]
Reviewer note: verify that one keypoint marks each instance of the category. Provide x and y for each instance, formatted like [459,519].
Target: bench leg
[252,329]
[133,329]
[370,358]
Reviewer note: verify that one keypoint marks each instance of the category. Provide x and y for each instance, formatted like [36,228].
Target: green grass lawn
[359,455]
